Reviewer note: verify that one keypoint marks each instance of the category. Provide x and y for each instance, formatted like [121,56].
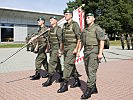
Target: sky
[51,6]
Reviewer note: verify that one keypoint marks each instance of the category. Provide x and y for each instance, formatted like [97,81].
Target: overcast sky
[52,6]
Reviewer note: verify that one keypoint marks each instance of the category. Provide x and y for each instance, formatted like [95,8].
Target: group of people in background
[129,41]
[68,41]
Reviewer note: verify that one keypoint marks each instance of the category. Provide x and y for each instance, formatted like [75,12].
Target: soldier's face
[40,22]
[68,16]
[90,19]
[53,21]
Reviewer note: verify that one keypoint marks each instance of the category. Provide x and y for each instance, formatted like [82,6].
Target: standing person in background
[122,41]
[92,39]
[128,41]
[132,41]
[27,40]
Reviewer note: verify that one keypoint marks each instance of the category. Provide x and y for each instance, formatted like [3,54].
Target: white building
[15,24]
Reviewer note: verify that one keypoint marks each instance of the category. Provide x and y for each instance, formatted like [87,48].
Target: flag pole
[22,47]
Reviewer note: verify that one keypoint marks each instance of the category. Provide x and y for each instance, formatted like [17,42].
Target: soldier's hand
[75,51]
[78,55]
[33,38]
[59,53]
[100,56]
[47,51]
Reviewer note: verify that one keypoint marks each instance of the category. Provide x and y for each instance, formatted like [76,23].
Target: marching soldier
[93,41]
[41,58]
[56,44]
[71,32]
[122,41]
[128,41]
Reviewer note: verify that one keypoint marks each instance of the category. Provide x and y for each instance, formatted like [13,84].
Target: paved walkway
[114,78]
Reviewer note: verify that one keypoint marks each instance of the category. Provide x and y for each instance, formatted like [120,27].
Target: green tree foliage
[116,16]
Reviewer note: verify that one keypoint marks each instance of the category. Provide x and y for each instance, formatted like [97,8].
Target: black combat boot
[76,83]
[63,88]
[48,82]
[61,75]
[46,75]
[87,94]
[94,90]
[32,76]
[36,76]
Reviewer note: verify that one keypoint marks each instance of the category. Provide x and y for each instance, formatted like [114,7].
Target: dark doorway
[7,35]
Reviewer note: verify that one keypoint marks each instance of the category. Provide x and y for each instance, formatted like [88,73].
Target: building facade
[16,24]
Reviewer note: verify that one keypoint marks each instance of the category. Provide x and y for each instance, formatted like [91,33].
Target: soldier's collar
[70,22]
[91,26]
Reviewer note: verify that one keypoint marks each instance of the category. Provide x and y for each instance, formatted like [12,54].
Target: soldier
[27,40]
[41,58]
[93,40]
[71,32]
[122,41]
[132,41]
[128,41]
[56,44]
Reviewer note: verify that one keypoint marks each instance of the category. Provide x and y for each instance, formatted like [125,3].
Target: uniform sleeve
[100,34]
[60,35]
[76,30]
[83,38]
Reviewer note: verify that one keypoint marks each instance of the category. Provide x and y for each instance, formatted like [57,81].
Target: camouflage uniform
[41,58]
[27,40]
[128,41]
[90,39]
[71,33]
[56,38]
[122,41]
[132,41]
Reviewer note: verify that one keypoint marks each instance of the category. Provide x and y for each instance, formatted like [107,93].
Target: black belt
[90,46]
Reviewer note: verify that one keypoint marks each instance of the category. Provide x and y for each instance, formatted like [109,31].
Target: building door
[7,35]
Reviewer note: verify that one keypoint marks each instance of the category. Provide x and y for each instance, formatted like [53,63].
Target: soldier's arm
[101,38]
[82,43]
[77,31]
[60,37]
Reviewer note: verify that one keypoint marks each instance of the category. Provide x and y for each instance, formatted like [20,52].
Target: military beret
[90,14]
[68,11]
[55,17]
[41,18]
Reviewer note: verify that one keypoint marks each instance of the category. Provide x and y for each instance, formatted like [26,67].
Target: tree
[115,16]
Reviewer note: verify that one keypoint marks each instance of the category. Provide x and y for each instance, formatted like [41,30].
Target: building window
[7,34]
[6,24]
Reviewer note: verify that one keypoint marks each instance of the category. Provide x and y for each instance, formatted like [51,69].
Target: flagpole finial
[83,5]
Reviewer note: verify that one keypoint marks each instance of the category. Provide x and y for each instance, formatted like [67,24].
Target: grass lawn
[115,43]
[4,45]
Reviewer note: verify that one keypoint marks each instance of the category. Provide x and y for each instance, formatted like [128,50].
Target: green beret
[68,11]
[90,14]
[41,18]
[55,17]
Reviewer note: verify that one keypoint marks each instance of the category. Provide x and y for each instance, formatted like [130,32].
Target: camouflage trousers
[91,66]
[69,63]
[122,44]
[54,63]
[41,59]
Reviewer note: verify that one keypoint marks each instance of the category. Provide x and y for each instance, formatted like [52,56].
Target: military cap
[41,18]
[68,11]
[90,14]
[55,17]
